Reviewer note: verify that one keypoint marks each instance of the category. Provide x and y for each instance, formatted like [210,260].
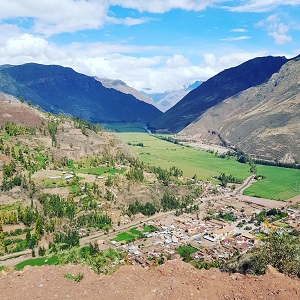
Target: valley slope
[58,89]
[262,120]
[225,84]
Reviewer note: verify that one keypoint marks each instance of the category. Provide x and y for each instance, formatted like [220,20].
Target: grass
[13,206]
[6,137]
[73,189]
[135,231]
[99,171]
[191,161]
[180,250]
[77,278]
[150,228]
[278,184]
[125,127]
[51,183]
[40,261]
[124,236]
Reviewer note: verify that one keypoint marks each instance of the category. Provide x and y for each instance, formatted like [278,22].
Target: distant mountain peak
[121,86]
[61,89]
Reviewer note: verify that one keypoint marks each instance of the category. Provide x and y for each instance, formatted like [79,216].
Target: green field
[150,228]
[191,161]
[124,236]
[279,183]
[135,231]
[100,171]
[124,127]
[180,250]
[40,261]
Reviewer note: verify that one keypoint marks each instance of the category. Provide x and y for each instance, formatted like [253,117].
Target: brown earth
[262,121]
[14,111]
[173,280]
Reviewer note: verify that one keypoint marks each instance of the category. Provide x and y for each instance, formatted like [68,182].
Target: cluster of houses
[212,239]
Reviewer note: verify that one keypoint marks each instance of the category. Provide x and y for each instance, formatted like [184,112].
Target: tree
[280,250]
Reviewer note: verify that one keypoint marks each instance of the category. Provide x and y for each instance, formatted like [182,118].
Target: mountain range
[253,107]
[62,90]
[168,99]
[263,120]
[215,90]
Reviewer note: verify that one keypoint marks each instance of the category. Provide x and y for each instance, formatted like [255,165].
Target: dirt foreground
[173,280]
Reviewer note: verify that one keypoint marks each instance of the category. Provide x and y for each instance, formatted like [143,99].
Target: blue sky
[152,45]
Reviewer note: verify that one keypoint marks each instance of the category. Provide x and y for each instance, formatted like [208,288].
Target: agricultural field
[191,161]
[182,249]
[124,127]
[278,184]
[133,233]
[40,261]
[100,171]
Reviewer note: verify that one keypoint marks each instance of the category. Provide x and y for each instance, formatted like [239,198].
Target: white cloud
[128,21]
[231,59]
[162,6]
[159,73]
[241,30]
[25,45]
[57,16]
[237,38]
[261,5]
[276,29]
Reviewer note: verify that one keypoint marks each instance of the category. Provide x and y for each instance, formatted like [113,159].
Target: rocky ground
[173,280]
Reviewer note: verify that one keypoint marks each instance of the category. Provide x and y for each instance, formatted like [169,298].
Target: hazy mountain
[58,89]
[263,120]
[121,86]
[223,85]
[168,100]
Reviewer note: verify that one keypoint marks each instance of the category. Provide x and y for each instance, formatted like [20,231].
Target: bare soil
[14,111]
[173,280]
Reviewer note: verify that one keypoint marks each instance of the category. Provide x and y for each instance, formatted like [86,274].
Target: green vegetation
[157,152]
[276,183]
[76,278]
[149,228]
[40,261]
[100,171]
[280,250]
[124,236]
[125,127]
[99,261]
[135,231]
[185,252]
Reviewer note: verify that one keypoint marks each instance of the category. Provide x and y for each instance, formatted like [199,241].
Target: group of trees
[168,202]
[55,206]
[14,129]
[280,250]
[93,220]
[147,209]
[228,179]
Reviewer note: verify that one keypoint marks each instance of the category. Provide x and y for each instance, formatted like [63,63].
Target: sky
[154,46]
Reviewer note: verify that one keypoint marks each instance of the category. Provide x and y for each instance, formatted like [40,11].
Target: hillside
[58,89]
[121,86]
[263,120]
[225,84]
[173,280]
